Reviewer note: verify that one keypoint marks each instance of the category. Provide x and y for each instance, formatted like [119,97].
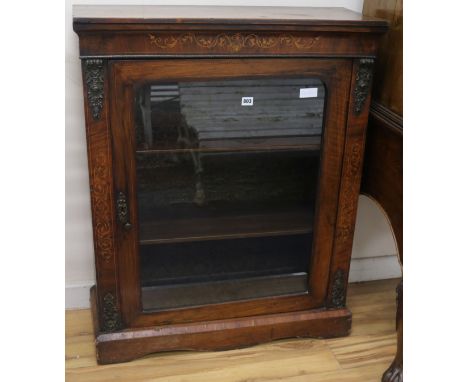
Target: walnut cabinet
[225,148]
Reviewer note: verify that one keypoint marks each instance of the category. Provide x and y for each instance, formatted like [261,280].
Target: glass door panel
[227,175]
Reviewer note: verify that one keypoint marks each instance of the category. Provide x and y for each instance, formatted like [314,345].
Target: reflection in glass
[227,177]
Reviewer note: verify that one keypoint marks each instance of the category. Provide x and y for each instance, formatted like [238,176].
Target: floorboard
[363,356]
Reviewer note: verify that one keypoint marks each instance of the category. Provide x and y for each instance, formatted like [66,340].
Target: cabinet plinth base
[128,344]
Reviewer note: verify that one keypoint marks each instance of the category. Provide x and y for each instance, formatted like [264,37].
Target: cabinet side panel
[332,158]
[358,110]
[101,189]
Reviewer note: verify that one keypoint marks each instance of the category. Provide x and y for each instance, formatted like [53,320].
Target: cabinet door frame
[337,75]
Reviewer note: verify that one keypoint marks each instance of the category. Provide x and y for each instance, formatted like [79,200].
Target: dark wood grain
[383,166]
[102,191]
[388,89]
[383,182]
[139,15]
[142,44]
[205,43]
[234,31]
[223,227]
[219,335]
[350,186]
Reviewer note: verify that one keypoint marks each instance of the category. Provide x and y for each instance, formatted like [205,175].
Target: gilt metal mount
[94,78]
[110,313]
[363,82]
[338,297]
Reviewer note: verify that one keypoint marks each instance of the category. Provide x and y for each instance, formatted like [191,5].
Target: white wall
[373,251]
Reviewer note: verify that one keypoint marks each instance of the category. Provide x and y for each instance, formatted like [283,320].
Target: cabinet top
[103,17]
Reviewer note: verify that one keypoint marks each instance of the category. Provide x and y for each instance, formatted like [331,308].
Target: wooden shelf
[226,227]
[244,145]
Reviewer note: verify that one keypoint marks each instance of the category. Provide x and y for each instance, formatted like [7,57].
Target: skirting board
[362,269]
[374,268]
[77,295]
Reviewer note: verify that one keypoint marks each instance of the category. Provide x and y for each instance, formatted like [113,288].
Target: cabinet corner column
[96,104]
[358,111]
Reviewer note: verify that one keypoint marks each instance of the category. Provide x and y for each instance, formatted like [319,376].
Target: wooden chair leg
[395,372]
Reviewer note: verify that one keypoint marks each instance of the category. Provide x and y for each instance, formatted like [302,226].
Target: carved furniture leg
[395,372]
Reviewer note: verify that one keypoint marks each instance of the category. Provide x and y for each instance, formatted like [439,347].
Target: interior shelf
[299,143]
[292,222]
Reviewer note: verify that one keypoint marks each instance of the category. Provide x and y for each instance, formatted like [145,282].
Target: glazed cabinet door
[227,174]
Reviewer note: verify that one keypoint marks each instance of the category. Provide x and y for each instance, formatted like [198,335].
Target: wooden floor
[363,356]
